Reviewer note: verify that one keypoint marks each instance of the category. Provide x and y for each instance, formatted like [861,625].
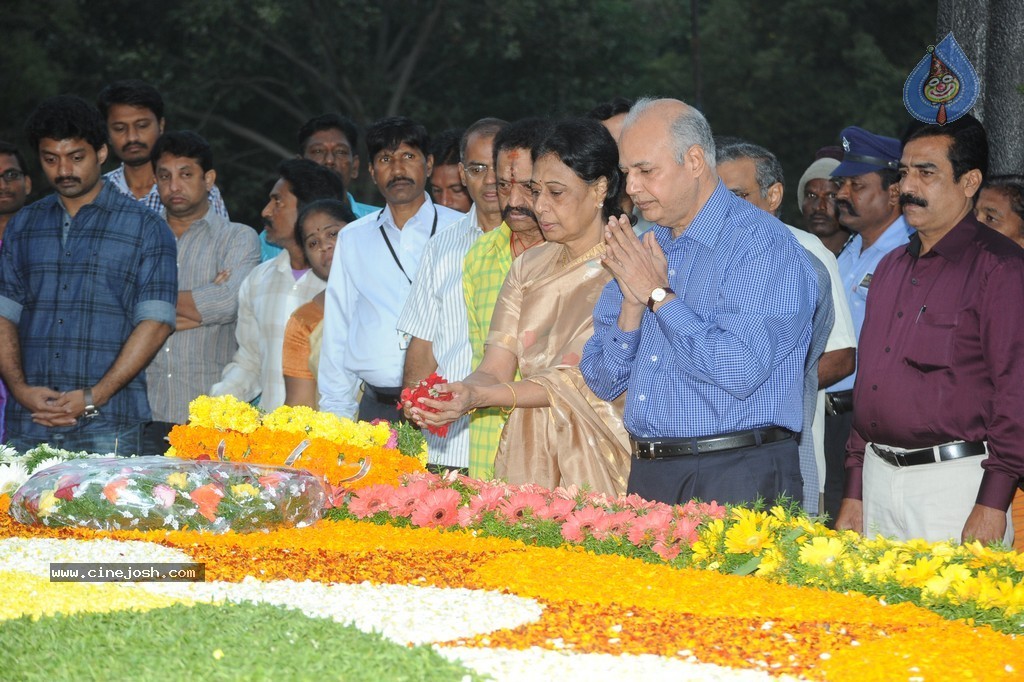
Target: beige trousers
[929,501]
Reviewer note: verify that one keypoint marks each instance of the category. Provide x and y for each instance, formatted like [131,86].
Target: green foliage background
[246,73]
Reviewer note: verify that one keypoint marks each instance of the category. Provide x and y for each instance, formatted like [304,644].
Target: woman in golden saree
[558,432]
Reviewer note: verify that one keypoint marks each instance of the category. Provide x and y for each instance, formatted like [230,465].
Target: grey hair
[766,164]
[688,129]
[488,127]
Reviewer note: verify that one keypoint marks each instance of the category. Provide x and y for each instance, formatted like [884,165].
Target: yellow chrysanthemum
[702,552]
[178,480]
[771,560]
[916,574]
[223,412]
[939,584]
[822,551]
[750,535]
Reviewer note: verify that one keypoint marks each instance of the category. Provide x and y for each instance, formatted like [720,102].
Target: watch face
[658,295]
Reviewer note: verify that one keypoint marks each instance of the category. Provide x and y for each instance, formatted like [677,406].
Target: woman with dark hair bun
[558,432]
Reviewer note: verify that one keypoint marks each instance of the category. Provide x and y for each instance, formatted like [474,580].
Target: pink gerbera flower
[430,478]
[712,510]
[489,497]
[634,501]
[403,499]
[650,528]
[570,492]
[473,484]
[370,500]
[616,523]
[557,509]
[685,529]
[668,552]
[468,516]
[437,508]
[581,523]
[514,508]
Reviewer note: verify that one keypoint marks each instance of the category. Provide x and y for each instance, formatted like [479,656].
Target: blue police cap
[865,152]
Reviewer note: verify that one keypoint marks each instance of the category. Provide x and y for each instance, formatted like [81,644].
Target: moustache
[911,199]
[842,203]
[67,178]
[398,179]
[517,210]
[134,145]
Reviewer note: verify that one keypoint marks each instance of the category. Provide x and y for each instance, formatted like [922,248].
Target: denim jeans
[124,443]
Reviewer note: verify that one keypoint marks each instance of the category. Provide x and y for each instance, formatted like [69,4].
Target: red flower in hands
[425,389]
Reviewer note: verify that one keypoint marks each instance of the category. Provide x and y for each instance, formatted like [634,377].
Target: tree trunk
[991,32]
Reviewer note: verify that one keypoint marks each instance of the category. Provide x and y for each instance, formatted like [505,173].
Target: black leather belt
[384,395]
[938,453]
[682,447]
[839,402]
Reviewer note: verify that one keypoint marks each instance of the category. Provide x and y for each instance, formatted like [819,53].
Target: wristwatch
[90,405]
[657,296]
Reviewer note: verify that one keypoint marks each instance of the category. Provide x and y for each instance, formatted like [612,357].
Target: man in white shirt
[753,173]
[274,289]
[375,261]
[435,312]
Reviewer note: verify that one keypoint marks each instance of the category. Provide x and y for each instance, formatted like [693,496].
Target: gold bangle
[514,401]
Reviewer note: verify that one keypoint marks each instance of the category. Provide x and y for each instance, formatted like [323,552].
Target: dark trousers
[154,438]
[124,443]
[837,432]
[380,403]
[738,476]
[444,469]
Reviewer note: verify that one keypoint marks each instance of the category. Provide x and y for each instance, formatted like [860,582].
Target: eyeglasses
[477,170]
[11,175]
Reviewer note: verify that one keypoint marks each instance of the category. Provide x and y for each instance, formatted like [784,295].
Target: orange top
[296,350]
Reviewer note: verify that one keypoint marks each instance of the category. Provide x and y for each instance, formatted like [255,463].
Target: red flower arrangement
[425,389]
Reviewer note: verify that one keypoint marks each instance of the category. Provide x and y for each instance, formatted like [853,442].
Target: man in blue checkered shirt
[706,325]
[88,286]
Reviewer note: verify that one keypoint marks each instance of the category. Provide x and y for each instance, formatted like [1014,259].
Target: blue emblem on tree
[943,86]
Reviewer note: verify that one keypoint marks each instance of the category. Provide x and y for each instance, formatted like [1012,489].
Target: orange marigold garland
[337,447]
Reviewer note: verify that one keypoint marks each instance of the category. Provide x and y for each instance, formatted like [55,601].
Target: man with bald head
[706,324]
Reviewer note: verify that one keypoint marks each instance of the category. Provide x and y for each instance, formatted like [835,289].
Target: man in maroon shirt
[937,445]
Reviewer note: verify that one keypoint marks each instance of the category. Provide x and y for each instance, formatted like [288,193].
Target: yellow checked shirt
[483,273]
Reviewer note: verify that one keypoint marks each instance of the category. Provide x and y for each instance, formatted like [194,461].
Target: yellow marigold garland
[336,450]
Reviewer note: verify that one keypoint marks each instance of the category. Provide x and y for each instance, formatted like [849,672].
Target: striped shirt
[192,359]
[152,200]
[483,274]
[436,312]
[76,301]
[727,354]
[266,299]
[842,336]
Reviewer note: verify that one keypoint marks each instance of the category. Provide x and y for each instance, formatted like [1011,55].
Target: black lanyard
[433,229]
